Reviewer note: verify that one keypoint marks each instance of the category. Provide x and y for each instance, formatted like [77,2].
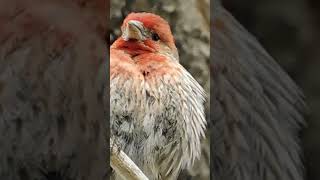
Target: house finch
[157,113]
[257,109]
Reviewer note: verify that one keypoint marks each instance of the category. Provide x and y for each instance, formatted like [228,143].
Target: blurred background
[190,24]
[289,31]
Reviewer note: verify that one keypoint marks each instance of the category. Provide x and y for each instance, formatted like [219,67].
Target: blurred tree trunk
[190,23]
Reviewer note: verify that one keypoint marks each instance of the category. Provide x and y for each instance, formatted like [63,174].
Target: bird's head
[145,33]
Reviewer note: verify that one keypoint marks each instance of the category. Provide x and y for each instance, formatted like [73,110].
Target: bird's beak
[133,30]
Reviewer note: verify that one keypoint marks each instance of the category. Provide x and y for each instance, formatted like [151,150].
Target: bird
[52,84]
[257,111]
[156,107]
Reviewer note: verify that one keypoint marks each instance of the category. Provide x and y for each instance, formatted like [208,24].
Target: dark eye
[155,36]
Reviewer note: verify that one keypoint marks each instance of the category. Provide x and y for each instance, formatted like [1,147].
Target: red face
[145,32]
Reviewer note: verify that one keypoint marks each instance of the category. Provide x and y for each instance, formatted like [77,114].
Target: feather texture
[257,109]
[157,117]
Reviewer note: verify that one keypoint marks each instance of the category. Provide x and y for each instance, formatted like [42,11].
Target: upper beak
[133,30]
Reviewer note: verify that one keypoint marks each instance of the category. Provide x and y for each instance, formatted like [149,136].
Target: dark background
[289,31]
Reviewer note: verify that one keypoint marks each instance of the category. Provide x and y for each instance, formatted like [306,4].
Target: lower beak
[133,30]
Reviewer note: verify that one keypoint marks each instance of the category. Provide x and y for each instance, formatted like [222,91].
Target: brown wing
[257,109]
[52,78]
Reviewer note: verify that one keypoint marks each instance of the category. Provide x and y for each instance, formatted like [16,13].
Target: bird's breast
[156,112]
[144,116]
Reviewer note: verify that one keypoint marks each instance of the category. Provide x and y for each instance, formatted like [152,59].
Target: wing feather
[257,109]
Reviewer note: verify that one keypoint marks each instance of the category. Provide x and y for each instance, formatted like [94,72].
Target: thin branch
[124,166]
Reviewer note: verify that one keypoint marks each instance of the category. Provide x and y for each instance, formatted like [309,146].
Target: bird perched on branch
[257,109]
[156,106]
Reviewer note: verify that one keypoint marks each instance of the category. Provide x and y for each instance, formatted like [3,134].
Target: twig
[124,166]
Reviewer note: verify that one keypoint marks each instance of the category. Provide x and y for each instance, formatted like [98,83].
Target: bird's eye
[155,36]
